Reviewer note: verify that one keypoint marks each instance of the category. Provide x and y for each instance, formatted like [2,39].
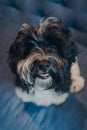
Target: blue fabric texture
[16,115]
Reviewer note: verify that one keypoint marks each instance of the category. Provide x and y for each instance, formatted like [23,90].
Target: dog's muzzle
[43,69]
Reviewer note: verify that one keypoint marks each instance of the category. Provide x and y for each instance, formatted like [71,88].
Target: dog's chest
[42,97]
[47,97]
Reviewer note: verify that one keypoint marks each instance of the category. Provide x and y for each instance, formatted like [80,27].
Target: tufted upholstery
[14,114]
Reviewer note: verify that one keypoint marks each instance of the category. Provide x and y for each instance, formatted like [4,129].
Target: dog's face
[41,56]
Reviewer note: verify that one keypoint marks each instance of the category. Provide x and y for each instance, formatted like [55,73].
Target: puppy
[44,61]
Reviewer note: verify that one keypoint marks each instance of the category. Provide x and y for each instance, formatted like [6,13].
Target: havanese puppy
[44,61]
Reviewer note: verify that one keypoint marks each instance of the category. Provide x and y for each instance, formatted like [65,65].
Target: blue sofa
[16,115]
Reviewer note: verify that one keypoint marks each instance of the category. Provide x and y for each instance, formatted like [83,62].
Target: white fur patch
[42,97]
[77,80]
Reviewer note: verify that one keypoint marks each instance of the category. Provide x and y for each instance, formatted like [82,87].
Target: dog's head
[41,56]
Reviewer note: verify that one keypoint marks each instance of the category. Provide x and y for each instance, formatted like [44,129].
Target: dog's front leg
[77,80]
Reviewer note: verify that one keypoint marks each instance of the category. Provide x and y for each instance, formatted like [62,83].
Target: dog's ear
[72,52]
[20,47]
[72,49]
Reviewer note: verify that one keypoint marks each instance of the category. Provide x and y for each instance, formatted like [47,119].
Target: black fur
[56,39]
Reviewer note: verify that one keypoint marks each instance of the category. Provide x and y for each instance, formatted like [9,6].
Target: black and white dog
[44,61]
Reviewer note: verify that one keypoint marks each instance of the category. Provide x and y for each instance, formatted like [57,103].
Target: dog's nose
[44,66]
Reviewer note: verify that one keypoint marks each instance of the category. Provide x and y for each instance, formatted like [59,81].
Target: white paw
[77,84]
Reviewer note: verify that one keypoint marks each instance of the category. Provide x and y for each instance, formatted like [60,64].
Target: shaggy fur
[44,61]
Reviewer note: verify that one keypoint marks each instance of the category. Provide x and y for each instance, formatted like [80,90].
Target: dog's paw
[77,84]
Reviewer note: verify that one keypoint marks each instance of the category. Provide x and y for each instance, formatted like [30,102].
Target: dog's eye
[54,49]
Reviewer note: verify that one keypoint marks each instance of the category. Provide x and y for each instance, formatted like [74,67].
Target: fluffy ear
[72,49]
[72,52]
[20,47]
